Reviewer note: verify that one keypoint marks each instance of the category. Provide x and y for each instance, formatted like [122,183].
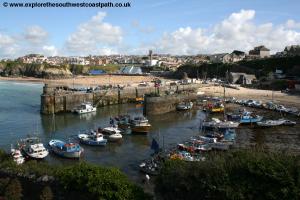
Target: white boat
[96,139]
[216,123]
[17,156]
[85,108]
[33,148]
[287,122]
[270,123]
[185,106]
[112,133]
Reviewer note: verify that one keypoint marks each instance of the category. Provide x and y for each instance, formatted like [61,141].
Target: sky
[178,27]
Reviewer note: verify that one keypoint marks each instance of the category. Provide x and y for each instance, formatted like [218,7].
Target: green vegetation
[261,68]
[16,68]
[81,181]
[232,175]
[109,68]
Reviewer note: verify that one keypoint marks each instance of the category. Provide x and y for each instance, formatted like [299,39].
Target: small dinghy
[113,134]
[17,156]
[216,123]
[94,139]
[287,122]
[270,123]
[66,149]
[185,106]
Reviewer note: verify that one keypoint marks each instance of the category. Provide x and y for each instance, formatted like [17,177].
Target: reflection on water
[19,115]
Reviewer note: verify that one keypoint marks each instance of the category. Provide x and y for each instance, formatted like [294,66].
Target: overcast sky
[166,26]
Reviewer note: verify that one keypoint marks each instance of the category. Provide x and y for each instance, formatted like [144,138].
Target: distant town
[163,61]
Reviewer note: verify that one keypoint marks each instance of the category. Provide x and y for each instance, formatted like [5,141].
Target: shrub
[46,194]
[13,190]
[99,182]
[233,175]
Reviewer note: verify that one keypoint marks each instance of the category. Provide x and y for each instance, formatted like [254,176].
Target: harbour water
[20,116]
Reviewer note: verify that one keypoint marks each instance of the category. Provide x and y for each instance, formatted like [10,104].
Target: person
[147,178]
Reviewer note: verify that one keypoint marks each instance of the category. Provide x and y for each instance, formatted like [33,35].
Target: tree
[46,194]
[13,190]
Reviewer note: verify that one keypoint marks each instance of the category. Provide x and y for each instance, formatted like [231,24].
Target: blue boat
[66,149]
[248,118]
[94,139]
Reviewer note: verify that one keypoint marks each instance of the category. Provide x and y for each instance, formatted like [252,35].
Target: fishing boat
[218,124]
[123,123]
[17,156]
[94,139]
[249,117]
[270,123]
[185,106]
[85,108]
[66,149]
[140,125]
[33,148]
[113,134]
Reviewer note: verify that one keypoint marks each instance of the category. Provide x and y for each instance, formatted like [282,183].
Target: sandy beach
[211,90]
[87,81]
[255,94]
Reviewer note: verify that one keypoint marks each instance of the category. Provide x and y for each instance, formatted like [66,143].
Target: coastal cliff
[15,69]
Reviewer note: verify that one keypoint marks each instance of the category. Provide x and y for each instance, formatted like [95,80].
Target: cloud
[143,29]
[8,46]
[91,36]
[238,31]
[50,50]
[35,35]
[292,24]
[32,40]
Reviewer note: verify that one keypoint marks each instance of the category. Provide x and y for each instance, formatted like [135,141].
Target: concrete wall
[55,100]
[165,104]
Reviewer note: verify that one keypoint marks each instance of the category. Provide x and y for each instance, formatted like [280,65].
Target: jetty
[60,98]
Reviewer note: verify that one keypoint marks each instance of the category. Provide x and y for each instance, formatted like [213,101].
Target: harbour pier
[59,99]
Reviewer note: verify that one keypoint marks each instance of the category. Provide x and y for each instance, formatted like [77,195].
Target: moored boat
[94,139]
[66,149]
[113,134]
[33,148]
[287,122]
[184,106]
[249,117]
[140,125]
[270,123]
[85,108]
[216,123]
[17,156]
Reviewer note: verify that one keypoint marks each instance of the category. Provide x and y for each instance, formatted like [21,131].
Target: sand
[88,81]
[255,94]
[211,90]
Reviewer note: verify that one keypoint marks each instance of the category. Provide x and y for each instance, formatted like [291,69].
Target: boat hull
[94,143]
[140,129]
[250,120]
[76,154]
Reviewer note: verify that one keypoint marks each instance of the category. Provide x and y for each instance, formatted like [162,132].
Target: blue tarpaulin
[97,72]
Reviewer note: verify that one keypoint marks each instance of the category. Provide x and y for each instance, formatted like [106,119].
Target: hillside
[261,68]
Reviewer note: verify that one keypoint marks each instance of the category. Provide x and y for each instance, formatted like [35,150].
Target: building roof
[238,53]
[261,48]
[237,75]
[131,70]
